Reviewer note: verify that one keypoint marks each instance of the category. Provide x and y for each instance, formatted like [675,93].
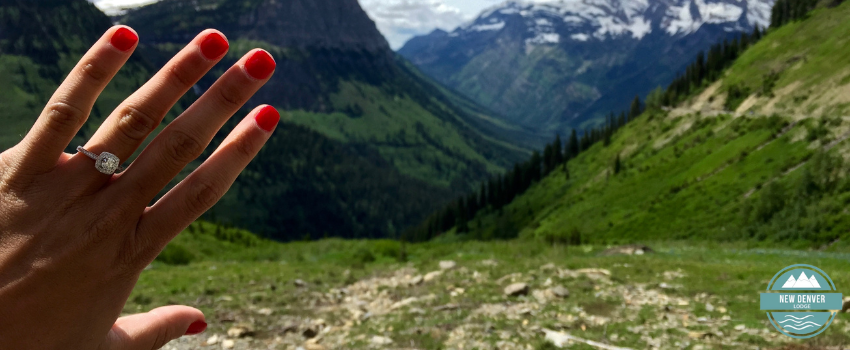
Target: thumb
[154,329]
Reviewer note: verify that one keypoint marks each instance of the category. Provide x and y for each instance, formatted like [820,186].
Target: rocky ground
[489,304]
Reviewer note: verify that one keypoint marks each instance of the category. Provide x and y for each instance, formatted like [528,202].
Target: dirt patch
[747,104]
[781,95]
[600,308]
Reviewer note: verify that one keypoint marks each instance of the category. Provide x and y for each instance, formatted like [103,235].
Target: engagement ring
[106,162]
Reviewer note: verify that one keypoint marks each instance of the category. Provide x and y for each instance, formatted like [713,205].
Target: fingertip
[196,327]
[260,64]
[124,38]
[214,45]
[267,118]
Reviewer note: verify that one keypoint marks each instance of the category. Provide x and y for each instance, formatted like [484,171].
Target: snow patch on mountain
[488,27]
[547,21]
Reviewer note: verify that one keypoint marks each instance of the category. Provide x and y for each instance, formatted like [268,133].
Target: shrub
[361,257]
[387,248]
[176,254]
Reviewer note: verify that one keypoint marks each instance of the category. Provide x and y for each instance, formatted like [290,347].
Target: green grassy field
[682,296]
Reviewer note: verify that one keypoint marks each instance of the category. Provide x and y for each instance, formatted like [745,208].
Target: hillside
[772,168]
[553,65]
[368,146]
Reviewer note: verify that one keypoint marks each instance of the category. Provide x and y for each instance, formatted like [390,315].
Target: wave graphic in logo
[799,323]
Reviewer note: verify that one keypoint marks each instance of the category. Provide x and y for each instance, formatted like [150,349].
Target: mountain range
[550,65]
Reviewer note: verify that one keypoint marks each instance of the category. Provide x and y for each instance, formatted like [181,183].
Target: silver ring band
[106,162]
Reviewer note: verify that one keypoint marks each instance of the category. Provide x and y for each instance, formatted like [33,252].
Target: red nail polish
[260,65]
[267,118]
[214,46]
[124,39]
[197,327]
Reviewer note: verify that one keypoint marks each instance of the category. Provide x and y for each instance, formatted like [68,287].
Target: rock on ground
[631,249]
[516,289]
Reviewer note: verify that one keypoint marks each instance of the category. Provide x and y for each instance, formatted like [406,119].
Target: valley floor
[333,295]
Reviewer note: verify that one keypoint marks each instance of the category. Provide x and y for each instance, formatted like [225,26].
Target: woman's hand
[73,241]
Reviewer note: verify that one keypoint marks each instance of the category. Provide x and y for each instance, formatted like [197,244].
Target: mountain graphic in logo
[802,283]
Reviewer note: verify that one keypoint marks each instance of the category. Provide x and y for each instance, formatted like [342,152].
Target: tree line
[706,68]
[501,189]
[785,11]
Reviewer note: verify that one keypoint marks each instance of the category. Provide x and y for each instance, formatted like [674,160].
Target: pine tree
[574,148]
[548,160]
[635,109]
[558,149]
[535,167]
[617,165]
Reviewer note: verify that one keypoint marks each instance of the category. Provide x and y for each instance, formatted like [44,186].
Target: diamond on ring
[106,162]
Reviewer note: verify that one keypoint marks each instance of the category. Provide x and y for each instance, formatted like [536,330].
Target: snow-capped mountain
[602,43]
[582,20]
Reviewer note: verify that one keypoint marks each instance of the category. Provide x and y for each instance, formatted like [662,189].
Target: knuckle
[103,227]
[203,195]
[231,97]
[135,124]
[64,117]
[184,148]
[245,147]
[95,73]
[180,77]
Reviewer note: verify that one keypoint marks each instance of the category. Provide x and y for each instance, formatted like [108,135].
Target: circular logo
[801,301]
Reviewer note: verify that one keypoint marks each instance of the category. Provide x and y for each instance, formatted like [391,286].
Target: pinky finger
[206,185]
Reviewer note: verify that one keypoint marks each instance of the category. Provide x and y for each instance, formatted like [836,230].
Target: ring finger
[140,114]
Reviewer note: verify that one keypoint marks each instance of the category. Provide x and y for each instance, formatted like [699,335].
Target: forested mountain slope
[758,155]
[369,146]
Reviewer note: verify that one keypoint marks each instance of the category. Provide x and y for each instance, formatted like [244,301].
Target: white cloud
[400,20]
[113,7]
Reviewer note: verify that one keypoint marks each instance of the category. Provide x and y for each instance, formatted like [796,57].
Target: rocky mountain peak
[328,24]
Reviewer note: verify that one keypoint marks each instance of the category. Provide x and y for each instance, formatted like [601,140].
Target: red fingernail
[196,328]
[124,39]
[260,65]
[214,46]
[267,118]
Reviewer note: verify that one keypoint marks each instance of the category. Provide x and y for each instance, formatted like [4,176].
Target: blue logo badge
[801,301]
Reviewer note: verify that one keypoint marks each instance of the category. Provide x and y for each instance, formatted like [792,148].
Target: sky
[398,20]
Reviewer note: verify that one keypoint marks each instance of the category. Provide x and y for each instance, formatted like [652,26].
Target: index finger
[69,108]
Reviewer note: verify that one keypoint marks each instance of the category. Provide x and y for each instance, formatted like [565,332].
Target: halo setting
[106,162]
